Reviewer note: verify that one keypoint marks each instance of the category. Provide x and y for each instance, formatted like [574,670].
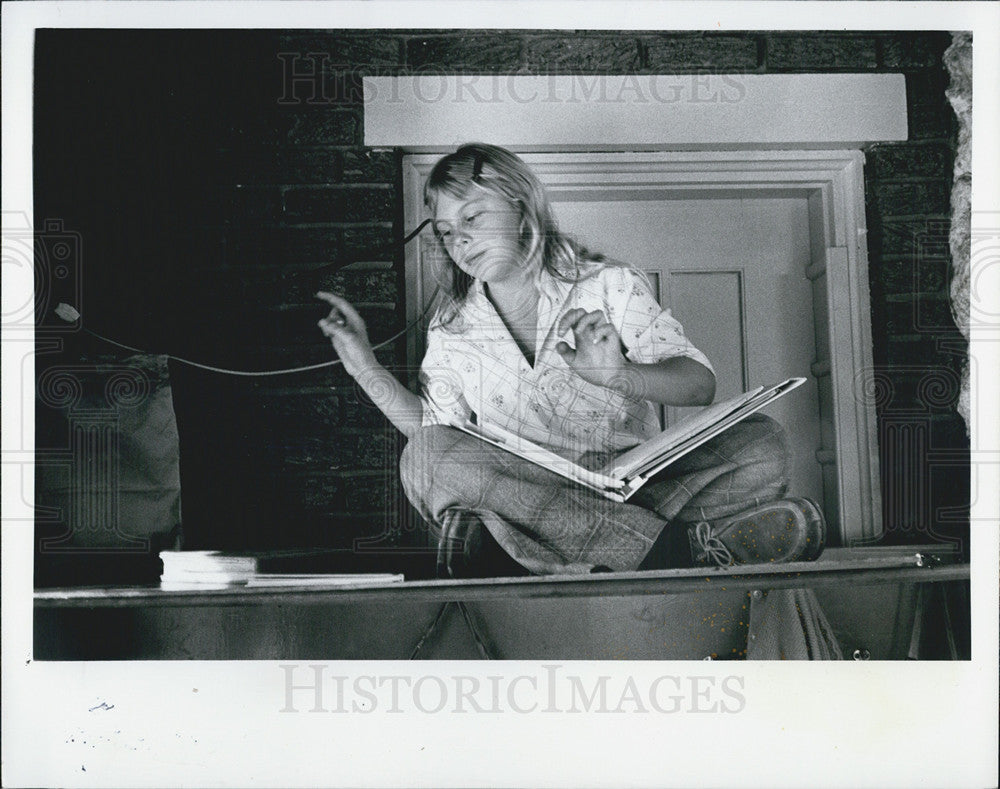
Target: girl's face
[481,233]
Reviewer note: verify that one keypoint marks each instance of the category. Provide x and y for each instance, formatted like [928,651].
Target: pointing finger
[331,298]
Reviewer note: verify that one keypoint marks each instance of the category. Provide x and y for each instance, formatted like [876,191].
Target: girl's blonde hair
[505,175]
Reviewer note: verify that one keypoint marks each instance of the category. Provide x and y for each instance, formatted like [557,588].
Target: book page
[695,430]
[623,465]
[523,448]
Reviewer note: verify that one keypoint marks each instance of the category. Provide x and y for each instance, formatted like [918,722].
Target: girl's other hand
[348,333]
[598,357]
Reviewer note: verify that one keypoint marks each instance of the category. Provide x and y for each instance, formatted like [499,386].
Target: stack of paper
[207,570]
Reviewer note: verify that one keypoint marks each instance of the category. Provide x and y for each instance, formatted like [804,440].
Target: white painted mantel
[785,133]
[629,112]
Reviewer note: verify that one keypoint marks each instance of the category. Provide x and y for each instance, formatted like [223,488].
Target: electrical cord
[69,314]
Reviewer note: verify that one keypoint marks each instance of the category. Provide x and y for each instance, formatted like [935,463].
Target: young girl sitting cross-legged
[572,352]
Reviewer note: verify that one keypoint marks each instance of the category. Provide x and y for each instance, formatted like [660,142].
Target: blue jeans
[551,525]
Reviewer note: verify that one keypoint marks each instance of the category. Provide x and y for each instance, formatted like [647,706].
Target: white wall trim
[650,112]
[833,183]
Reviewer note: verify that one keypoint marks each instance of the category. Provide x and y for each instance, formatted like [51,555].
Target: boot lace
[711,548]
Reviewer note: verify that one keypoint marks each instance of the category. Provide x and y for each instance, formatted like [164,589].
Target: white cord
[223,369]
[70,315]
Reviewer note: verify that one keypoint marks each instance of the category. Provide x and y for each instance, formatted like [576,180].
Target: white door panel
[732,271]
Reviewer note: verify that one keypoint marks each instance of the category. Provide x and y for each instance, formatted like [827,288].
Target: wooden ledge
[837,567]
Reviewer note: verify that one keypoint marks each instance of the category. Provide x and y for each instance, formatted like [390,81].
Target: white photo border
[176,723]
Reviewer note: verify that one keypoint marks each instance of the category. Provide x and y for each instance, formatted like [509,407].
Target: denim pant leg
[545,522]
[739,469]
[745,466]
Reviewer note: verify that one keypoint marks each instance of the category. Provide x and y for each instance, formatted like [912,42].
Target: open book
[630,470]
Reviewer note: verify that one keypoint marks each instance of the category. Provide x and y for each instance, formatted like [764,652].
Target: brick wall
[283,184]
[917,350]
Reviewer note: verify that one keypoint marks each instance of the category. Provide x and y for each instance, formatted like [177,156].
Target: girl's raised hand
[597,357]
[348,333]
